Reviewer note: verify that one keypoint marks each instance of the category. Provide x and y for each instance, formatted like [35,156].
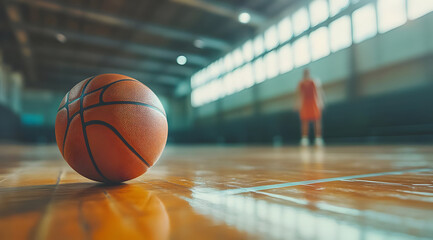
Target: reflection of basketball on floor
[111,128]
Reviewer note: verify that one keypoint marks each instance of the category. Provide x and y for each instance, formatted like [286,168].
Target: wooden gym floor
[363,192]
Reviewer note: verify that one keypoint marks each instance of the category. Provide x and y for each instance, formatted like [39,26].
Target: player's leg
[304,132]
[318,132]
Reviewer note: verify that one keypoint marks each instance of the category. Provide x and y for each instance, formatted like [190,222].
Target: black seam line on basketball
[67,124]
[86,140]
[119,102]
[78,98]
[126,79]
[108,85]
[114,130]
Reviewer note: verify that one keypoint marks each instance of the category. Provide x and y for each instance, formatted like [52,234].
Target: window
[318,11]
[213,73]
[197,97]
[228,63]
[340,34]
[271,38]
[271,62]
[228,84]
[418,8]
[194,100]
[247,51]
[259,70]
[215,90]
[198,79]
[301,52]
[391,14]
[220,66]
[258,45]
[285,58]
[319,40]
[201,78]
[237,80]
[285,29]
[300,21]
[248,76]
[337,5]
[194,80]
[364,23]
[237,57]
[220,87]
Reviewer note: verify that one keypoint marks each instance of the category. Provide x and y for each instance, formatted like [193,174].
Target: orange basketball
[111,128]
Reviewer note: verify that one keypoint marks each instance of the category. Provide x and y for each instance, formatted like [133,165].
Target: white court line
[291,184]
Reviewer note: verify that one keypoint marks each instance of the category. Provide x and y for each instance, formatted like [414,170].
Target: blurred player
[310,105]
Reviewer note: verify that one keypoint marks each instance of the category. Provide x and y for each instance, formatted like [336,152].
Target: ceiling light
[181,60]
[199,43]
[244,17]
[61,38]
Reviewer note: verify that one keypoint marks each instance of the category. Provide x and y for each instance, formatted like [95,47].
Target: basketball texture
[111,128]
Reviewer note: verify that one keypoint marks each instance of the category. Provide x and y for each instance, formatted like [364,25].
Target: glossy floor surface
[356,192]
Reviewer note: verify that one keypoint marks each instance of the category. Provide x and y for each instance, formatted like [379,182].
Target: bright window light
[194,98]
[228,63]
[259,70]
[220,88]
[259,47]
[271,38]
[301,51]
[271,62]
[364,23]
[285,58]
[337,5]
[206,75]
[418,8]
[229,87]
[248,51]
[193,81]
[213,90]
[248,76]
[300,21]
[238,57]
[340,33]
[200,77]
[391,14]
[285,29]
[220,66]
[241,76]
[205,93]
[213,73]
[197,79]
[194,102]
[197,97]
[237,80]
[319,40]
[318,11]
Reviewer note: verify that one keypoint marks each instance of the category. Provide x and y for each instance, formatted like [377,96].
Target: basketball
[111,128]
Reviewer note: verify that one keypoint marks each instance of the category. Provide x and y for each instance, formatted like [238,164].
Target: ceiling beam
[136,48]
[89,70]
[14,16]
[65,81]
[224,10]
[109,19]
[121,62]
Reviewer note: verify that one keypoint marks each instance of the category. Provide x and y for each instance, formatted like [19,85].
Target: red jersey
[310,109]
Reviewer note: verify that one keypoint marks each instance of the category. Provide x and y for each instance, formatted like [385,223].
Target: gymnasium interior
[227,73]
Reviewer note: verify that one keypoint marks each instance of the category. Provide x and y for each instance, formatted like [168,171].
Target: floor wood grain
[216,192]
